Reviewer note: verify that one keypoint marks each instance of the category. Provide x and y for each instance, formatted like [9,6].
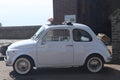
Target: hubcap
[22,66]
[94,64]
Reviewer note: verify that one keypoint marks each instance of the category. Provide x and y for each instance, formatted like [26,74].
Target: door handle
[69,45]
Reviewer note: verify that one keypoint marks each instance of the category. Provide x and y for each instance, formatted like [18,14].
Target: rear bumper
[109,59]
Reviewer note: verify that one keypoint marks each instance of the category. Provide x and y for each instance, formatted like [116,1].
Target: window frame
[90,37]
[43,39]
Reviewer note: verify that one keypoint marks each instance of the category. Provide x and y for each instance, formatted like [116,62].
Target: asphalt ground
[109,72]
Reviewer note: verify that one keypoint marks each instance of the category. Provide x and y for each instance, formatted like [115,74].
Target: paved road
[110,72]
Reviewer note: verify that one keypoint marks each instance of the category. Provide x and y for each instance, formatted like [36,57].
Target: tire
[23,66]
[94,64]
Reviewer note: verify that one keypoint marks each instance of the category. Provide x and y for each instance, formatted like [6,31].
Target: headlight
[7,53]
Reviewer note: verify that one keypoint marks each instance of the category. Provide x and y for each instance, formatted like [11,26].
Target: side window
[81,36]
[57,35]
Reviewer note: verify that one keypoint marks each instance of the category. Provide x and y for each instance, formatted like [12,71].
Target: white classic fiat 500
[70,45]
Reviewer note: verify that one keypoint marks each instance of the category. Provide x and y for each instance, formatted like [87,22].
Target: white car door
[82,45]
[56,48]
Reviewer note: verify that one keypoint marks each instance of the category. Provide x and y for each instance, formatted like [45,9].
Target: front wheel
[22,66]
[94,64]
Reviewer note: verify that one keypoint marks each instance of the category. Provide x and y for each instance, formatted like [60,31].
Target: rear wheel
[94,64]
[23,65]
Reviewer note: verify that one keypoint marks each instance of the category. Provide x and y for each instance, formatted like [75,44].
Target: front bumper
[7,61]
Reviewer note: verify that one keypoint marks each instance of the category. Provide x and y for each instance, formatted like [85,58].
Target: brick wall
[63,7]
[96,14]
[20,32]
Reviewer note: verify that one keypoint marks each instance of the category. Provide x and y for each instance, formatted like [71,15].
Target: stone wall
[18,32]
[115,20]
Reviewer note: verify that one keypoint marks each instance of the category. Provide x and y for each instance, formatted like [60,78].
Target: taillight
[109,49]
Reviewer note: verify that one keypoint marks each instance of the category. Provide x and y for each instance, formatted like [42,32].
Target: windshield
[38,34]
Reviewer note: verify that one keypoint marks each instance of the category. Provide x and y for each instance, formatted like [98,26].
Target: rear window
[81,36]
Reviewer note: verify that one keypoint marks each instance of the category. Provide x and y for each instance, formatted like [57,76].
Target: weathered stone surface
[19,32]
[115,20]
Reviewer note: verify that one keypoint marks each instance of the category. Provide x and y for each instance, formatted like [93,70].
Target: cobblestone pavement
[110,72]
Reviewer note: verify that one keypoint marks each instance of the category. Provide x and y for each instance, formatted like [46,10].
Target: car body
[71,45]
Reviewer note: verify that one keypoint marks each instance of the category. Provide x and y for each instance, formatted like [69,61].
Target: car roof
[73,25]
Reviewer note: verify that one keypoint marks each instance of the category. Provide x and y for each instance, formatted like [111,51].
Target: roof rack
[67,23]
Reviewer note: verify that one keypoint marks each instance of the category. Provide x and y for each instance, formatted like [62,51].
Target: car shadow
[68,74]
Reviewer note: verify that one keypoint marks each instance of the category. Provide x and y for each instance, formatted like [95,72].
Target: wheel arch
[28,57]
[94,54]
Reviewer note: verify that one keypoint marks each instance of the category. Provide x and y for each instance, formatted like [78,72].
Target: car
[58,46]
